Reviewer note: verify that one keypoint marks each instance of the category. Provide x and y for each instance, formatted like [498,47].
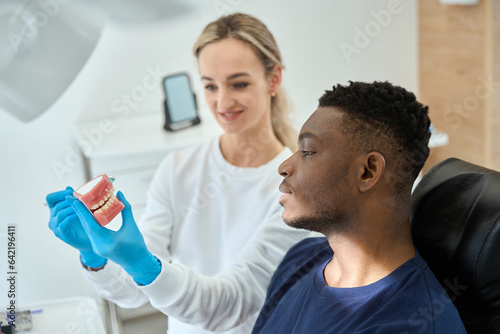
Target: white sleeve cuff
[168,287]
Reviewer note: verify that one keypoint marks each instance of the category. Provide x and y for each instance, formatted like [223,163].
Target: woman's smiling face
[237,89]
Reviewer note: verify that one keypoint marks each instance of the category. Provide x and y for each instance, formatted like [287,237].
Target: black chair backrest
[455,221]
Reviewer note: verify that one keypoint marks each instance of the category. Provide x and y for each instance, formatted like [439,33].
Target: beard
[324,223]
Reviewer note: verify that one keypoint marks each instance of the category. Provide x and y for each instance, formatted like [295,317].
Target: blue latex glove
[126,247]
[66,226]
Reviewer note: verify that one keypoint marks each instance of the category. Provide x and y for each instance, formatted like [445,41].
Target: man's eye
[307,153]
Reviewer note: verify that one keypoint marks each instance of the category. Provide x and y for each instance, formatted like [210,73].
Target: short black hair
[382,117]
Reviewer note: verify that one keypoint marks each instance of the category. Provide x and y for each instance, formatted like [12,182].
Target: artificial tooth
[101,203]
[98,211]
[94,207]
[105,206]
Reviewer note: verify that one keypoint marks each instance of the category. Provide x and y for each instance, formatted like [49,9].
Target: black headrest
[455,223]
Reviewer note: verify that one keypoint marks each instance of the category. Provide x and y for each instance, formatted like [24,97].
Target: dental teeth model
[98,197]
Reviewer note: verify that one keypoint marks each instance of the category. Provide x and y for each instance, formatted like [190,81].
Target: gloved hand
[126,247]
[66,226]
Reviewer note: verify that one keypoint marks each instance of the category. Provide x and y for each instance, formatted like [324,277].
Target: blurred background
[80,94]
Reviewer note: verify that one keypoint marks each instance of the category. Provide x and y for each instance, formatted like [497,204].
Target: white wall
[310,35]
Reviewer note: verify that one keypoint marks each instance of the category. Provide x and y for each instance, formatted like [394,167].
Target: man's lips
[286,192]
[284,188]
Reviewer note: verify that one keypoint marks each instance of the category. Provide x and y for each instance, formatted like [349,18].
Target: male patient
[351,179]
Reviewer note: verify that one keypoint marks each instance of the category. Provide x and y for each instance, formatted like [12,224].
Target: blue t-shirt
[409,300]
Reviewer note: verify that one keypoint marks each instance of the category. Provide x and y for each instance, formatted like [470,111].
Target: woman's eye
[240,85]
[210,87]
[307,153]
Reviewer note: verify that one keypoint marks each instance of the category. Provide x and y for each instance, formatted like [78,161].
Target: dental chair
[455,223]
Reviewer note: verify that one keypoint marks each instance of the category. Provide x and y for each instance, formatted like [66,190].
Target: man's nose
[285,169]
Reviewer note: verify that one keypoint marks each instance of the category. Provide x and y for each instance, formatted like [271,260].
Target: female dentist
[212,234]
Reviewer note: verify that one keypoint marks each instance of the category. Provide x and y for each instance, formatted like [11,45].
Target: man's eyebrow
[232,76]
[308,135]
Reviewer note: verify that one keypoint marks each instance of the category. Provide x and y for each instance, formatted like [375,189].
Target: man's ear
[371,171]
[275,79]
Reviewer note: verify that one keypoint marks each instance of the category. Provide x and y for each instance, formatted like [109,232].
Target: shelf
[139,134]
[438,138]
[75,315]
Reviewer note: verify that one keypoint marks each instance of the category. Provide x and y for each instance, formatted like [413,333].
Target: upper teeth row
[106,197]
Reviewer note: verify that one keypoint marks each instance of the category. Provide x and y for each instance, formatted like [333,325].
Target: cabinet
[459,74]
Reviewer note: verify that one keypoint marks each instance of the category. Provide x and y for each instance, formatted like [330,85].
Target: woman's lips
[230,116]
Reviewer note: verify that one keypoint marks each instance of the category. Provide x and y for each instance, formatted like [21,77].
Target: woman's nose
[225,100]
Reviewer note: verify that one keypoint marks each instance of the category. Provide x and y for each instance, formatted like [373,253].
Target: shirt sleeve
[223,301]
[112,282]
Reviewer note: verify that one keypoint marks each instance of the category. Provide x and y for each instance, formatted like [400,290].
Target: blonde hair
[252,31]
